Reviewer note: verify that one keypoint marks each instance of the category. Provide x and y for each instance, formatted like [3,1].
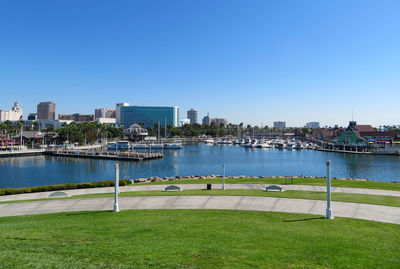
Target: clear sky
[249,61]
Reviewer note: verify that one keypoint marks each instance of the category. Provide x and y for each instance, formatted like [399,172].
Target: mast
[158,134]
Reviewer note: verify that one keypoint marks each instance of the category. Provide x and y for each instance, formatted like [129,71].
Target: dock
[122,156]
[346,151]
[19,153]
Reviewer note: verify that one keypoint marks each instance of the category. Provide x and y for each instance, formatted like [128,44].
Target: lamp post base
[329,214]
[116,208]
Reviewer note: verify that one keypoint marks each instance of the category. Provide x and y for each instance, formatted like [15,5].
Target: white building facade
[118,111]
[15,114]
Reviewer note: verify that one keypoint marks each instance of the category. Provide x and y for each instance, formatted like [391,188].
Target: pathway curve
[43,195]
[340,209]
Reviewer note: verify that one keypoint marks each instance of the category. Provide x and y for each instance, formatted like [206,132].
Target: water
[198,160]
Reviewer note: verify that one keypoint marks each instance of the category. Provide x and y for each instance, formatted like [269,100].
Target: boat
[156,146]
[280,145]
[298,146]
[289,146]
[263,144]
[120,145]
[139,146]
[209,141]
[173,145]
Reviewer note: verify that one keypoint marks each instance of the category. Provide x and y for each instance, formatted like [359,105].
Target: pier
[19,153]
[344,151]
[124,156]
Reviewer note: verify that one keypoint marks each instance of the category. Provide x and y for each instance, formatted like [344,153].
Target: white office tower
[118,112]
[14,114]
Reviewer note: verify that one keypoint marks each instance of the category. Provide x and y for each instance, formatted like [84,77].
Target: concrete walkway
[340,209]
[43,195]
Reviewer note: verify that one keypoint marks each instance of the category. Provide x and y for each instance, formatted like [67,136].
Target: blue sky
[249,61]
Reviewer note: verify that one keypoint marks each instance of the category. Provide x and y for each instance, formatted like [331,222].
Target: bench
[173,188]
[58,194]
[273,188]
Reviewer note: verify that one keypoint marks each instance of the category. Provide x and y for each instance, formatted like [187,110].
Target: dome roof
[135,130]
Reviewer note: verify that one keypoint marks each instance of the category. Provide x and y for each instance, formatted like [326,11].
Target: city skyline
[252,63]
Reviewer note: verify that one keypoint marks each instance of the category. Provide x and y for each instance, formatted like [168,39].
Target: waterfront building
[45,124]
[14,114]
[219,121]
[104,113]
[149,115]
[280,124]
[192,116]
[184,121]
[351,136]
[32,116]
[118,111]
[207,119]
[66,117]
[312,125]
[99,113]
[135,132]
[110,113]
[46,111]
[76,117]
[108,121]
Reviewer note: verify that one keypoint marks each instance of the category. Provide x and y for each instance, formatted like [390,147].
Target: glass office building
[149,115]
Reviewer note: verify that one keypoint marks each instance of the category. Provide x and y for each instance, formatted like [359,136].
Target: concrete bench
[173,188]
[58,194]
[273,188]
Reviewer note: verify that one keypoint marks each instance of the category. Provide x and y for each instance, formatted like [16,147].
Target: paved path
[42,195]
[340,209]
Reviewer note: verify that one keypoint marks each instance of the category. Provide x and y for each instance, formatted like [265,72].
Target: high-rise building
[46,111]
[104,113]
[312,125]
[110,113]
[280,124]
[219,121]
[76,117]
[32,116]
[149,115]
[207,120]
[14,114]
[118,111]
[99,113]
[192,116]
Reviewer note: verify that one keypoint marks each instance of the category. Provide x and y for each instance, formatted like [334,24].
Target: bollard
[329,214]
[116,187]
[223,177]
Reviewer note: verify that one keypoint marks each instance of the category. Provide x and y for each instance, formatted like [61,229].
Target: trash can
[208,186]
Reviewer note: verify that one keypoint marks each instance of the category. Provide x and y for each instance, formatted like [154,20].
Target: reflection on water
[198,160]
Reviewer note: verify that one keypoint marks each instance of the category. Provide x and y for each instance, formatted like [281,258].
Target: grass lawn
[297,181]
[313,195]
[195,239]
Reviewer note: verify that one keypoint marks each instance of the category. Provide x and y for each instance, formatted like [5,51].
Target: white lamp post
[116,208]
[223,177]
[329,214]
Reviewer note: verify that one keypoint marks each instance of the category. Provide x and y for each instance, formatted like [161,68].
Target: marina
[196,159]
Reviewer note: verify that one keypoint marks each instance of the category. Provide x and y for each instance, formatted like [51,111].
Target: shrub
[67,186]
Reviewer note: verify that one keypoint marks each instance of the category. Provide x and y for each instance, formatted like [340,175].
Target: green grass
[195,239]
[313,195]
[297,181]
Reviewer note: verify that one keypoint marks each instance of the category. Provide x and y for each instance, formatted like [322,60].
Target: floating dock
[19,153]
[124,156]
[346,151]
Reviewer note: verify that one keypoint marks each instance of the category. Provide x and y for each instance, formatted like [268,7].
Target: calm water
[198,160]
